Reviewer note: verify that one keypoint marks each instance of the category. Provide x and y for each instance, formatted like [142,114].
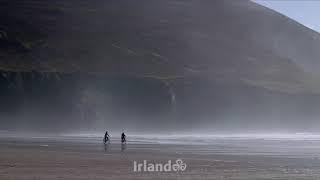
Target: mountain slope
[159,39]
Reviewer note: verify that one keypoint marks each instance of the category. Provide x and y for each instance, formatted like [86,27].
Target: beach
[88,158]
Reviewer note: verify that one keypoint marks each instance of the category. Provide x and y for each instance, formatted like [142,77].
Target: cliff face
[209,53]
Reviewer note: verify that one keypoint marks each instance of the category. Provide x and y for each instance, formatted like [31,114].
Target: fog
[75,103]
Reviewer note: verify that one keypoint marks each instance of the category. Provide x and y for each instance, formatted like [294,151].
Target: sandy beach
[50,158]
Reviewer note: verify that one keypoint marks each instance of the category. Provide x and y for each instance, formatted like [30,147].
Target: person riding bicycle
[106,137]
[123,138]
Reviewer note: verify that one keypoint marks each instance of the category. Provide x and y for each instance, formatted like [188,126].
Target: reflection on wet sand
[106,147]
[123,146]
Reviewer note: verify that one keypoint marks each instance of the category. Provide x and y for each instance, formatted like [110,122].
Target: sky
[306,12]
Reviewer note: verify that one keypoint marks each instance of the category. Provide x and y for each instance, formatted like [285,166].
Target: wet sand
[42,158]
